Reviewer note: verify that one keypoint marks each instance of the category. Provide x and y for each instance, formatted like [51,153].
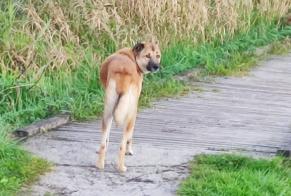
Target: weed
[17,167]
[237,175]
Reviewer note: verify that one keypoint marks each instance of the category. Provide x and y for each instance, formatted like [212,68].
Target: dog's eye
[158,56]
[148,56]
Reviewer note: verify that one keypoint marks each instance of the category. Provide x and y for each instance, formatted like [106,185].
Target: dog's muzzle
[152,66]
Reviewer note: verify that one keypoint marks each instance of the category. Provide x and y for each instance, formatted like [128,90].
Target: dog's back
[122,68]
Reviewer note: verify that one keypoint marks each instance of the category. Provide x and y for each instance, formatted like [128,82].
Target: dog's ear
[138,48]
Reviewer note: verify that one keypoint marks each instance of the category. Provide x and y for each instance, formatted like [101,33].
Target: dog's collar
[133,58]
[139,70]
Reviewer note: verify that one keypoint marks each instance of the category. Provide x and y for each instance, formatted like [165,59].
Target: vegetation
[50,51]
[17,167]
[237,175]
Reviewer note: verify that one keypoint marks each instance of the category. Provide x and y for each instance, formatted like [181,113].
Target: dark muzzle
[152,66]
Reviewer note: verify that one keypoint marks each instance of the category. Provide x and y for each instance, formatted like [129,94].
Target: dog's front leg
[129,150]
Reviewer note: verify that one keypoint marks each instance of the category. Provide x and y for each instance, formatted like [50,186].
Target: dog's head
[147,56]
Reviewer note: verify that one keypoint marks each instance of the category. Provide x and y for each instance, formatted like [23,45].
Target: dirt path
[251,114]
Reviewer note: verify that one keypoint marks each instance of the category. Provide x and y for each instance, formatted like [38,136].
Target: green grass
[281,47]
[223,58]
[17,167]
[237,175]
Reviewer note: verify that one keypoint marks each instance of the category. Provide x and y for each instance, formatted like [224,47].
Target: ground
[249,114]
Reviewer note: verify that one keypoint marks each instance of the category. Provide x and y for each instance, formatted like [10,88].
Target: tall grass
[54,35]
[50,51]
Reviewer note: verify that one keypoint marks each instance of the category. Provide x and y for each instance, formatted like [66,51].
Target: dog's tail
[123,108]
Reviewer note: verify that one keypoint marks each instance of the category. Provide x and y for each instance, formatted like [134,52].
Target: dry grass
[55,30]
[198,20]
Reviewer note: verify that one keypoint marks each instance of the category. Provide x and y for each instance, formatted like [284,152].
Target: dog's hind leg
[111,99]
[131,100]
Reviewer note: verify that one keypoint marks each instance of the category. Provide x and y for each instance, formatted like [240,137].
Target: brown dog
[122,75]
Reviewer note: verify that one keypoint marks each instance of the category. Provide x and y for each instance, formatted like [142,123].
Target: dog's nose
[156,67]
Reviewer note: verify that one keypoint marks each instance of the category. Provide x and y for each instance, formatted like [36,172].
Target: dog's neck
[139,70]
[131,55]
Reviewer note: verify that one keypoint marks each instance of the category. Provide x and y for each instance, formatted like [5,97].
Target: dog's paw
[122,168]
[130,153]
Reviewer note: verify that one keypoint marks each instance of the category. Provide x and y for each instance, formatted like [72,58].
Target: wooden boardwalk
[250,114]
